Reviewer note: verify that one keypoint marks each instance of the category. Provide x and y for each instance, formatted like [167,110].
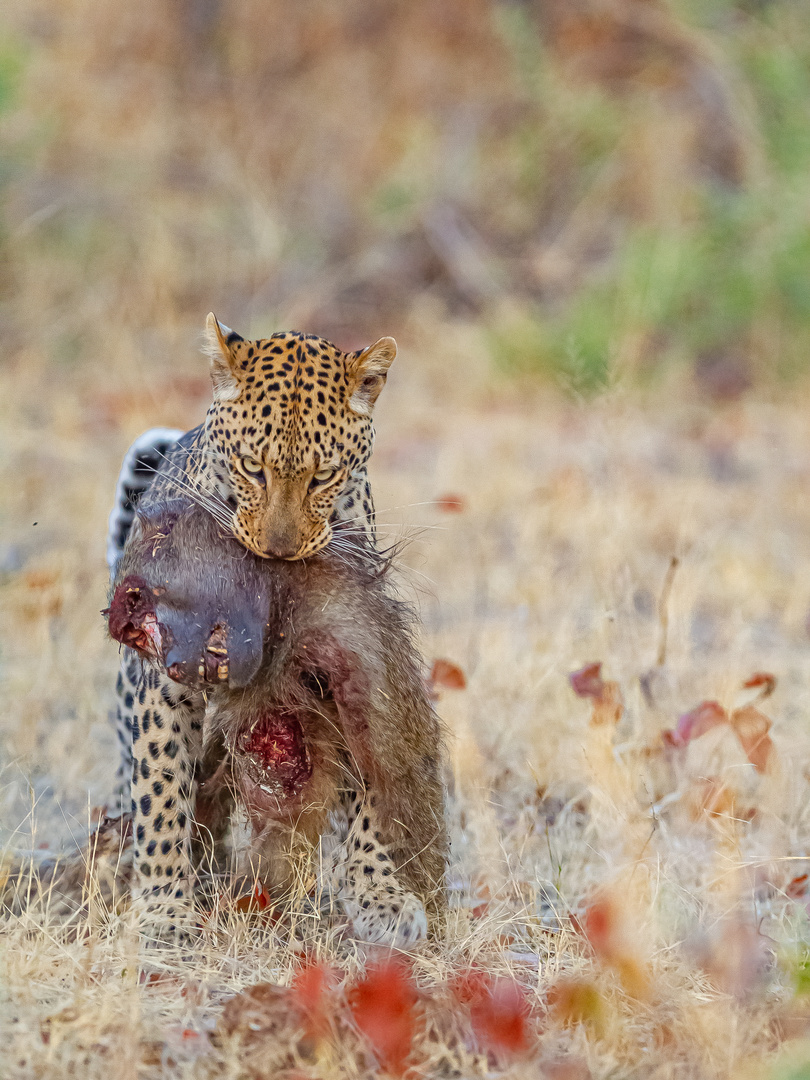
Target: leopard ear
[220,342]
[367,371]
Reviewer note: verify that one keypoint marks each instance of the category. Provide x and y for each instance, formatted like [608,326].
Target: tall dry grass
[579,177]
[611,193]
[692,861]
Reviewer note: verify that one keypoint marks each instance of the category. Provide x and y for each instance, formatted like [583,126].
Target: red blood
[132,619]
[275,745]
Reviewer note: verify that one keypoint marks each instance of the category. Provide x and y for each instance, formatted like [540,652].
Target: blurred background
[604,189]
[587,223]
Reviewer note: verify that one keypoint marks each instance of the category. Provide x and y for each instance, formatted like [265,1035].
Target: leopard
[281,457]
[280,463]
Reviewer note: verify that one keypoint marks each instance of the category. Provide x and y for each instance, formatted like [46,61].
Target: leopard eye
[322,475]
[253,470]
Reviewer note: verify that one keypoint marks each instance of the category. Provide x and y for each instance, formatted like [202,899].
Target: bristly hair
[177,475]
[359,552]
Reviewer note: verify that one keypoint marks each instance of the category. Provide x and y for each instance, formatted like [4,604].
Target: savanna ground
[587,226]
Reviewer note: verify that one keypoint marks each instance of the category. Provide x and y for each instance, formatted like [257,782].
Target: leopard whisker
[199,497]
[210,493]
[390,509]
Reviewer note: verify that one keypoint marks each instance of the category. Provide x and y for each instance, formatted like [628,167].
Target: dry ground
[689,861]
[596,187]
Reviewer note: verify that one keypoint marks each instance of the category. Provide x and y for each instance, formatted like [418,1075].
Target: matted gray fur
[321,641]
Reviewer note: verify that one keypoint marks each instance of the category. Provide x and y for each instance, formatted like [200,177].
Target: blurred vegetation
[608,188]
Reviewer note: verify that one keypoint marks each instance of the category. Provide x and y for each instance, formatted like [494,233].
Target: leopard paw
[397,920]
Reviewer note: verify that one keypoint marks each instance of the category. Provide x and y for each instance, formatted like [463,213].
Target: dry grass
[594,192]
[572,514]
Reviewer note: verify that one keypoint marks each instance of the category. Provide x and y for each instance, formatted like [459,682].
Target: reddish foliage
[704,717]
[576,1001]
[752,727]
[257,900]
[749,724]
[311,987]
[383,1009]
[797,888]
[709,795]
[158,978]
[599,925]
[763,679]
[606,696]
[447,674]
[451,504]
[588,682]
[500,1018]
[605,925]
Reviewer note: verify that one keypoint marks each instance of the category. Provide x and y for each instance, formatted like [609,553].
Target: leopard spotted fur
[280,461]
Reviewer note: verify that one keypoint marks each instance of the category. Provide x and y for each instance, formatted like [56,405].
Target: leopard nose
[281,546]
[281,551]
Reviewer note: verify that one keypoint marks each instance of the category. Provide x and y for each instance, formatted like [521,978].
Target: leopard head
[291,420]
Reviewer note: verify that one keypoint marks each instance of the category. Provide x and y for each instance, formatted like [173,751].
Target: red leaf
[704,717]
[156,978]
[588,682]
[311,986]
[598,924]
[606,925]
[797,888]
[606,696]
[447,674]
[257,900]
[709,795]
[383,1009]
[752,727]
[763,679]
[500,1018]
[451,504]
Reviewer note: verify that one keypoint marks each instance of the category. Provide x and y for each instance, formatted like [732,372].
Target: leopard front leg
[166,733]
[126,690]
[381,909]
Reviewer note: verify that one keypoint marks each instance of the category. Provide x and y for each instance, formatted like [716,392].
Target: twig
[663,611]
